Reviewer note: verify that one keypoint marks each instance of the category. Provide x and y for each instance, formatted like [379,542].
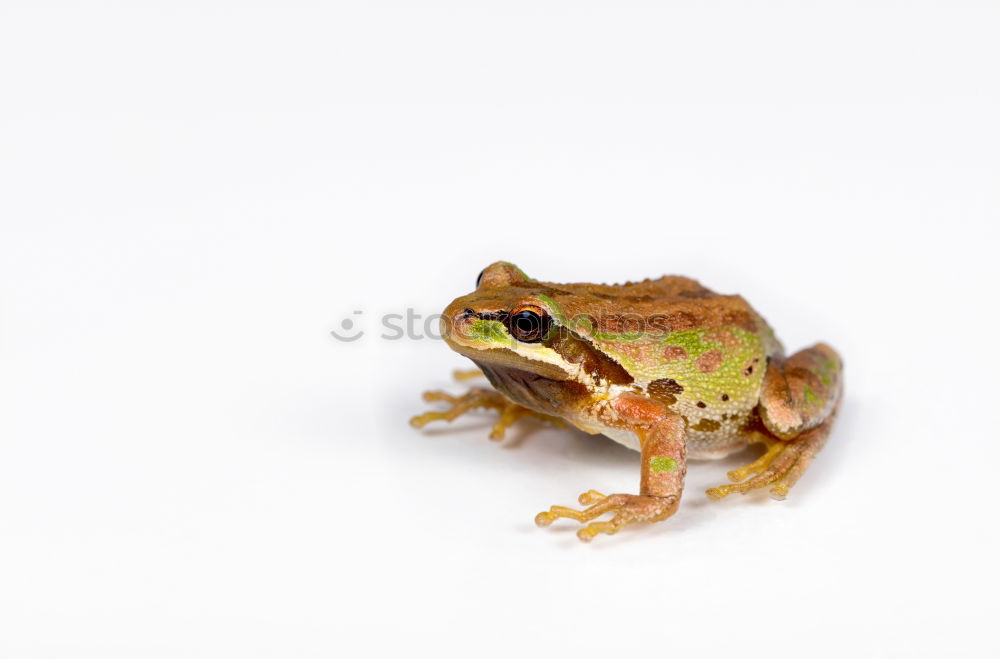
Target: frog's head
[511,325]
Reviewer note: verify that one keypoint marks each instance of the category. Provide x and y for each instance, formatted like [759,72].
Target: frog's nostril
[468,312]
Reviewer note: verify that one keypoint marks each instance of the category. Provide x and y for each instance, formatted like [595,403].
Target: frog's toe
[774,448]
[591,497]
[780,467]
[509,415]
[478,398]
[779,461]
[461,375]
[628,508]
[475,398]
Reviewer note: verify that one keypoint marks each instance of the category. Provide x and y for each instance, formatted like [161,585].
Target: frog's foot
[781,466]
[479,398]
[627,509]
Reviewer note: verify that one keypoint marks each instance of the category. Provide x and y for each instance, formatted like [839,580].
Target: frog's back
[657,306]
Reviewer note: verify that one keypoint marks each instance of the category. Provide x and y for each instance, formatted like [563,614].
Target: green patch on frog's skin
[810,396]
[661,464]
[746,347]
[826,369]
[554,309]
[624,337]
[489,331]
[726,389]
[692,341]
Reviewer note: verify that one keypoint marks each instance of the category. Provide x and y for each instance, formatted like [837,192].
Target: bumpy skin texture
[664,366]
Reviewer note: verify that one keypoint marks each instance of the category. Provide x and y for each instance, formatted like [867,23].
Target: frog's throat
[534,391]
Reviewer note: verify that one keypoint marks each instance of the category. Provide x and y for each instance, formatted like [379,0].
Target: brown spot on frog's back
[674,353]
[709,362]
[664,390]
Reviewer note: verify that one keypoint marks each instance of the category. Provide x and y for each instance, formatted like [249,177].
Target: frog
[663,366]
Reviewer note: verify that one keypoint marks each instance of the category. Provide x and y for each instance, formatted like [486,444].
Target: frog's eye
[528,324]
[479,279]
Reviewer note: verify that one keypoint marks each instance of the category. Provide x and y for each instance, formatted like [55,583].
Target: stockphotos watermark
[415,326]
[393,326]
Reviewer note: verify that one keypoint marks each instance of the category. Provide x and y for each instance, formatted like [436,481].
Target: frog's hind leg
[801,392]
[479,398]
[798,404]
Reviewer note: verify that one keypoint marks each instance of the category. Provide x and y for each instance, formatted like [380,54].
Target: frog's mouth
[503,358]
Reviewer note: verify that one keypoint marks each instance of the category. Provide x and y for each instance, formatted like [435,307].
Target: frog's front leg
[479,398]
[664,464]
[798,404]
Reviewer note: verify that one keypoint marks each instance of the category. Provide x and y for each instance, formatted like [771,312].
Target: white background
[192,199]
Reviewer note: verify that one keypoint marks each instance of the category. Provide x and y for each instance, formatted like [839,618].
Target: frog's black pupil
[527,326]
[479,279]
